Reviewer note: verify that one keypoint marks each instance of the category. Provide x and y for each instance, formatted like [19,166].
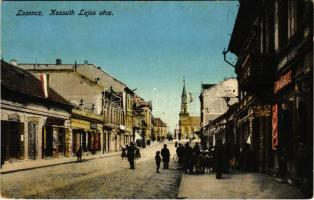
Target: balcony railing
[255,74]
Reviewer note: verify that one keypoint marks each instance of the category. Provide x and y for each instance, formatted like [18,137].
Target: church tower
[184,102]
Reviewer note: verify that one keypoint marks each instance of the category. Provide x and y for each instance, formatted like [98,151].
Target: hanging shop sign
[274,127]
[282,81]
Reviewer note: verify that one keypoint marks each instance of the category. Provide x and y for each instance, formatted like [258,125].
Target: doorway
[32,130]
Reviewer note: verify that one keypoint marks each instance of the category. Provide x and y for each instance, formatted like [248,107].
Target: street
[111,177]
[99,178]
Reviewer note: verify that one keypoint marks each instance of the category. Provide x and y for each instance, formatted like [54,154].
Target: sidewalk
[236,186]
[21,165]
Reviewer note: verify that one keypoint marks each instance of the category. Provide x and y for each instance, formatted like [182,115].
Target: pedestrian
[196,152]
[158,160]
[202,162]
[188,158]
[79,153]
[131,155]
[180,153]
[165,156]
[207,162]
[123,154]
[218,160]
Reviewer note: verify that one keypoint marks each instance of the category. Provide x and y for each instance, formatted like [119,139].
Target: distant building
[215,100]
[160,128]
[188,125]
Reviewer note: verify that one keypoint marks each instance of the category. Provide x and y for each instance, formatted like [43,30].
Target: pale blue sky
[150,46]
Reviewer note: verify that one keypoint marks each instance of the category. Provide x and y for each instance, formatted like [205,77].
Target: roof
[247,13]
[159,122]
[90,71]
[22,81]
[207,86]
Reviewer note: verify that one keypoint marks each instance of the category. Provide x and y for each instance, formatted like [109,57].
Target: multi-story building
[188,125]
[99,97]
[160,129]
[215,100]
[273,41]
[142,120]
[147,116]
[35,119]
[128,117]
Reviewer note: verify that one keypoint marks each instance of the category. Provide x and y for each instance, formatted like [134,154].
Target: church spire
[183,91]
[184,101]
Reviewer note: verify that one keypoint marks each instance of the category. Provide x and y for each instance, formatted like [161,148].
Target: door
[32,130]
[49,141]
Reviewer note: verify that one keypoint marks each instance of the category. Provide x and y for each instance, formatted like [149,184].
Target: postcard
[157,99]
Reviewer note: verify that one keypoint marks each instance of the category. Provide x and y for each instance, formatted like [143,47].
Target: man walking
[165,156]
[130,155]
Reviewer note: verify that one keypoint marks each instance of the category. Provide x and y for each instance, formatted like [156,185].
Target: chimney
[58,61]
[85,62]
[13,62]
[44,78]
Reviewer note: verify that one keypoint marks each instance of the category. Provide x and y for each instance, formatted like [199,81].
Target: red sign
[274,127]
[282,81]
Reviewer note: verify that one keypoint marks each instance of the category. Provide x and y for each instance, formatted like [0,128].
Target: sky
[150,46]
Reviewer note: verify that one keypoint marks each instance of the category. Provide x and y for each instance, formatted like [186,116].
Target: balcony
[255,75]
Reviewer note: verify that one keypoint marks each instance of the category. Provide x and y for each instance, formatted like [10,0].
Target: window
[292,17]
[283,22]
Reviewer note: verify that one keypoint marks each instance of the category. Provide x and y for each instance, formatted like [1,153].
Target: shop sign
[274,127]
[282,81]
[93,126]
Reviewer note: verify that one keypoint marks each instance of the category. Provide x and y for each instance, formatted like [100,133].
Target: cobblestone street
[98,178]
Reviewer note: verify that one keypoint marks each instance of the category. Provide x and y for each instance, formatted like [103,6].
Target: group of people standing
[202,159]
[131,152]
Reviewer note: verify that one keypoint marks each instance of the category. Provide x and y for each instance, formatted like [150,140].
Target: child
[158,160]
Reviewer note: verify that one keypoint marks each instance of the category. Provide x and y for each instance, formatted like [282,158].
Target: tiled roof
[22,81]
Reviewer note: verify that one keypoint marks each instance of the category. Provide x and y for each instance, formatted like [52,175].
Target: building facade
[275,74]
[215,100]
[160,129]
[35,119]
[96,94]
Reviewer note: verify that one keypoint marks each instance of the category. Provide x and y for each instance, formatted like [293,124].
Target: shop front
[56,135]
[293,122]
[12,136]
[87,135]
